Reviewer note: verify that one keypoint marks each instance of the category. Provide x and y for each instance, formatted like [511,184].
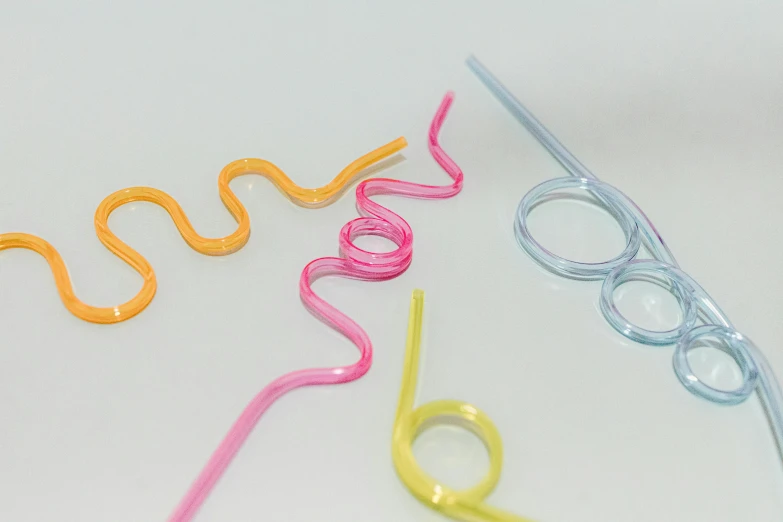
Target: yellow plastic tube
[466,505]
[307,197]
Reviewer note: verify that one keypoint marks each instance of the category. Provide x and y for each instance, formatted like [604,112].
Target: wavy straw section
[354,263]
[308,197]
[466,505]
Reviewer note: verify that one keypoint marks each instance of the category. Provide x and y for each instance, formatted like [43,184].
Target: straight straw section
[531,123]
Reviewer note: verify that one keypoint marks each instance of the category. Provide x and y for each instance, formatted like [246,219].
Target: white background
[679,104]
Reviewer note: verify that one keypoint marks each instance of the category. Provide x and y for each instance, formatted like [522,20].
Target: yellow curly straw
[466,505]
[308,197]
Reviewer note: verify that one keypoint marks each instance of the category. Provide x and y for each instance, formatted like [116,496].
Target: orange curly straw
[307,197]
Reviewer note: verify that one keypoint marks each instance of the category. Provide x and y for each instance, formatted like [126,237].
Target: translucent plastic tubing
[315,197]
[354,263]
[466,505]
[697,305]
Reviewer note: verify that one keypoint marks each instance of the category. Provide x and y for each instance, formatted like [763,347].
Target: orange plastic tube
[307,197]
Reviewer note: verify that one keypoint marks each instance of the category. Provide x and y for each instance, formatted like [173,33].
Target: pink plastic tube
[354,263]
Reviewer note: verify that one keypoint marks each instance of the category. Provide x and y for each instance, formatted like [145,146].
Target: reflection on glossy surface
[663,270]
[467,504]
[716,367]
[648,305]
[355,263]
[307,197]
[451,452]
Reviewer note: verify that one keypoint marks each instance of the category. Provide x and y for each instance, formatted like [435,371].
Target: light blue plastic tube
[702,317]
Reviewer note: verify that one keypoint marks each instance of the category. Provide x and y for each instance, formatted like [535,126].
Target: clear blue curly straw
[696,303]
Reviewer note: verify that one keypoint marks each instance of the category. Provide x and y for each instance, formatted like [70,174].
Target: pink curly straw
[354,263]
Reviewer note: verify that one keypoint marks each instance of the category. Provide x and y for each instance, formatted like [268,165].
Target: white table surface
[679,104]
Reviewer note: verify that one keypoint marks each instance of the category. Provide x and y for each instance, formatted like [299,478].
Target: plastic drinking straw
[702,317]
[468,504]
[354,263]
[211,246]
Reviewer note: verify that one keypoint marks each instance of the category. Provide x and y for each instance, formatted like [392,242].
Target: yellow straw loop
[468,504]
